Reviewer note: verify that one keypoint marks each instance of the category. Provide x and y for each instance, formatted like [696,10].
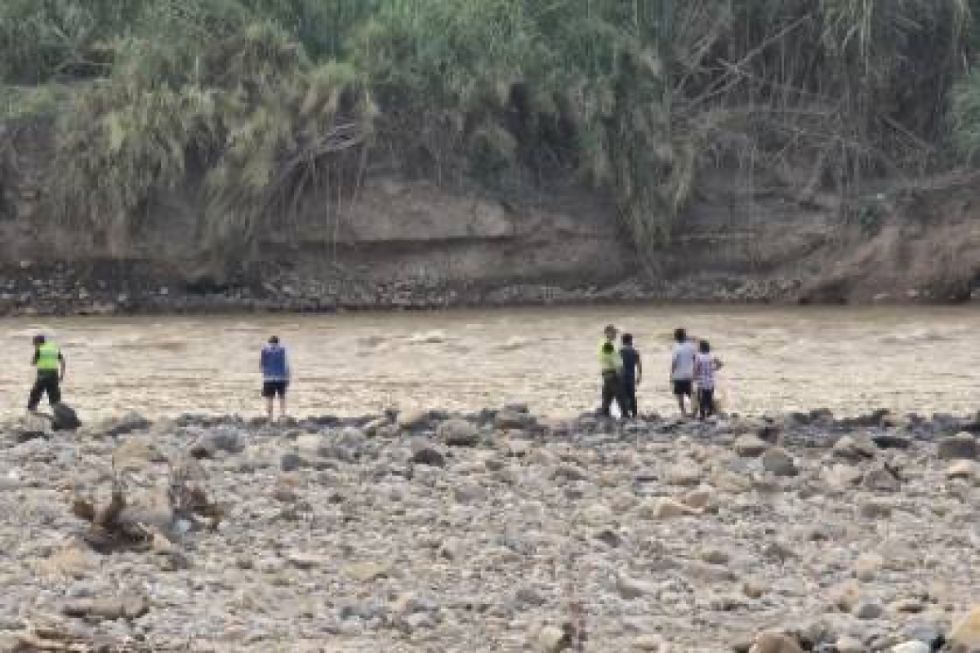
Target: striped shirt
[704,371]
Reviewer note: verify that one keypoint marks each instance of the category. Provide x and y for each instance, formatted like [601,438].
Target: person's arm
[61,362]
[289,370]
[718,364]
[673,364]
[37,354]
[639,369]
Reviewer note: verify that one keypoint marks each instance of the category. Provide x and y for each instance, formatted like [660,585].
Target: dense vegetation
[257,106]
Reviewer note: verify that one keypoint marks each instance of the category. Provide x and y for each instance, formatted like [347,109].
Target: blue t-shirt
[630,358]
[274,364]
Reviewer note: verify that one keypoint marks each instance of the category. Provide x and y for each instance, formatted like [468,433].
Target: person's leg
[709,402]
[268,394]
[679,393]
[282,400]
[37,390]
[54,390]
[608,393]
[631,407]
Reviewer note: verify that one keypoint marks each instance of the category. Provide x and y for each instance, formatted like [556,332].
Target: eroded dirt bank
[494,531]
[410,243]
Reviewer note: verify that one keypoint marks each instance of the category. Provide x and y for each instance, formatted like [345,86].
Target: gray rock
[64,418]
[632,588]
[458,433]
[963,445]
[467,493]
[854,449]
[778,462]
[750,446]
[529,596]
[868,609]
[128,423]
[882,478]
[511,419]
[215,439]
[291,461]
[425,453]
[891,441]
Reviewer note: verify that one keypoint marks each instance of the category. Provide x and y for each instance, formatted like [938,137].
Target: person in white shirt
[682,368]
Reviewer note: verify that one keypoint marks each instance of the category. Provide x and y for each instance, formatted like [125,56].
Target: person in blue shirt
[275,376]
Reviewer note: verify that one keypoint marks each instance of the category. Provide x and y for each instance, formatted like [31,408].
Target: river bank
[494,530]
[65,290]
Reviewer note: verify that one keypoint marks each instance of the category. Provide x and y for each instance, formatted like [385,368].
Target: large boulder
[64,417]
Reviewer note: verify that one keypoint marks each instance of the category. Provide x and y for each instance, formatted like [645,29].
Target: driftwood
[122,524]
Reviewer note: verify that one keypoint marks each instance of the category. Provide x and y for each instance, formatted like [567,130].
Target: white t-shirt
[683,361]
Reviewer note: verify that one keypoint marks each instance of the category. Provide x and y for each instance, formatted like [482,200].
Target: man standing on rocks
[682,369]
[611,367]
[50,364]
[275,376]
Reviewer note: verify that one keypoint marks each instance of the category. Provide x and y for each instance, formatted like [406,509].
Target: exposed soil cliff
[413,243]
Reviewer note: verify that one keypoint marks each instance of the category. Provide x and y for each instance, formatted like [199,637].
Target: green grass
[263,105]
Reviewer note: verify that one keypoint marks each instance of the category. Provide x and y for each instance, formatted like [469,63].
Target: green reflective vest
[611,362]
[47,357]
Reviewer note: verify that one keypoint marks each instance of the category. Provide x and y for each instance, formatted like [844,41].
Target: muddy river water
[850,360]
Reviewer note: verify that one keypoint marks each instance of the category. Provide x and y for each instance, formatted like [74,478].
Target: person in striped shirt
[705,366]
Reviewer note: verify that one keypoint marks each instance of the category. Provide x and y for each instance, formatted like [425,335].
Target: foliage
[261,105]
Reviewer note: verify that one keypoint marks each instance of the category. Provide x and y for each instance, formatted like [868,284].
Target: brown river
[851,360]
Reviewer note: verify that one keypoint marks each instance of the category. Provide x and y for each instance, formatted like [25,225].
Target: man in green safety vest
[611,366]
[50,366]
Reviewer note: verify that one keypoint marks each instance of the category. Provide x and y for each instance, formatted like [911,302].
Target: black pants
[629,398]
[46,382]
[706,402]
[612,389]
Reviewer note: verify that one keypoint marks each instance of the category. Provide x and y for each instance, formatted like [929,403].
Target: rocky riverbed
[496,531]
[126,289]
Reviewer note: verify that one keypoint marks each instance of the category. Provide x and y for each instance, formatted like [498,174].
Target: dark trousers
[612,390]
[706,402]
[46,382]
[629,398]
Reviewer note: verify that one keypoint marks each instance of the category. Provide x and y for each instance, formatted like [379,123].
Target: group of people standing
[692,374]
[692,369]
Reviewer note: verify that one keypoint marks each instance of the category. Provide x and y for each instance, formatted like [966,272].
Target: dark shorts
[272,388]
[683,388]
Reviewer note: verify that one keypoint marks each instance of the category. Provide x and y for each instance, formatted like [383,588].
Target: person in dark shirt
[632,375]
